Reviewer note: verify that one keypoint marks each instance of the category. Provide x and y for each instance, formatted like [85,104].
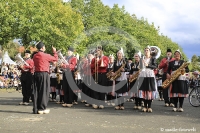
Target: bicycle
[194,95]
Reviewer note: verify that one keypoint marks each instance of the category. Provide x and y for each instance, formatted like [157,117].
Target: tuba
[21,61]
[155,51]
[61,58]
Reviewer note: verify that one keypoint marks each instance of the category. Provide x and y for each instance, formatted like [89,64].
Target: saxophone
[108,74]
[175,75]
[58,74]
[117,73]
[135,76]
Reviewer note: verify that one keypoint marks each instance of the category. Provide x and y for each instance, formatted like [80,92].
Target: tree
[12,49]
[82,23]
[51,21]
[195,63]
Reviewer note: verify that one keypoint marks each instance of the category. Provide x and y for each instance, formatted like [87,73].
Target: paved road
[79,119]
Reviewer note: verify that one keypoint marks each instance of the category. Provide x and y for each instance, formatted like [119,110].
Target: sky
[178,19]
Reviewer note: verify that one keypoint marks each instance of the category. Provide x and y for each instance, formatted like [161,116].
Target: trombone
[96,69]
[96,64]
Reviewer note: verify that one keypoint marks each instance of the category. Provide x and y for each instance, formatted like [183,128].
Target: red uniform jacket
[72,64]
[163,65]
[41,61]
[100,68]
[30,68]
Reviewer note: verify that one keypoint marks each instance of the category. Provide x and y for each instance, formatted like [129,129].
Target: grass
[7,90]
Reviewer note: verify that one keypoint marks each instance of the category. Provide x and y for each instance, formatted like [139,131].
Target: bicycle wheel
[194,97]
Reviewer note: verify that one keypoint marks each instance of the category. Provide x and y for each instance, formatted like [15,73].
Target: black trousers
[41,91]
[165,92]
[26,82]
[86,90]
[69,95]
[102,81]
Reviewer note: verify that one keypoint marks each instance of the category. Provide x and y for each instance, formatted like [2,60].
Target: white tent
[6,59]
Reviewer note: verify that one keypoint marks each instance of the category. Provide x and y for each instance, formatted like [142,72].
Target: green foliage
[12,49]
[51,21]
[195,63]
[81,23]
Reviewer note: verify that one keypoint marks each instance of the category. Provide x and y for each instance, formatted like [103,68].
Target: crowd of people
[9,76]
[101,80]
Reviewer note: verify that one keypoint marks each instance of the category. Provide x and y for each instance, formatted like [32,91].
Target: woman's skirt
[122,89]
[53,82]
[147,86]
[179,87]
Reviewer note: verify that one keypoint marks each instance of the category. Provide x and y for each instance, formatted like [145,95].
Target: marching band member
[135,67]
[123,79]
[179,88]
[77,77]
[41,78]
[147,83]
[53,82]
[59,84]
[99,66]
[159,84]
[164,65]
[68,69]
[87,79]
[26,78]
[110,82]
[129,64]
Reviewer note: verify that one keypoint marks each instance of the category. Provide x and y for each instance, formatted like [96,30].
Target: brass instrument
[109,74]
[58,74]
[117,73]
[135,76]
[21,61]
[61,58]
[155,51]
[96,63]
[175,75]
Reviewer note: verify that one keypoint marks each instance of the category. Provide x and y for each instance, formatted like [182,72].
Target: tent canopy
[6,59]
